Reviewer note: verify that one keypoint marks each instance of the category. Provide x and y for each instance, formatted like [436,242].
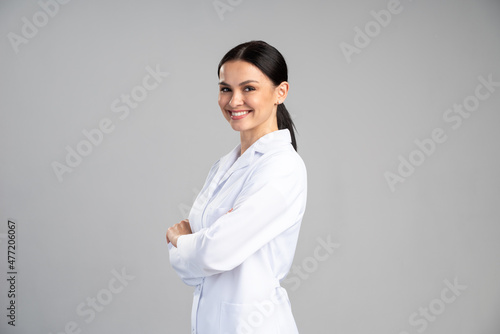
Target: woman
[239,240]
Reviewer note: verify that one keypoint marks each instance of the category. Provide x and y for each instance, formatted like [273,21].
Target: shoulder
[279,162]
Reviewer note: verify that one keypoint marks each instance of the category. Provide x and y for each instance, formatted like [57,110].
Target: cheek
[222,104]
[262,101]
[223,100]
[263,104]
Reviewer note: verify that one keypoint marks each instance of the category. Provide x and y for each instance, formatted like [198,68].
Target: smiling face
[248,98]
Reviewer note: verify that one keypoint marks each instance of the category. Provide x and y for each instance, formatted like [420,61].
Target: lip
[238,110]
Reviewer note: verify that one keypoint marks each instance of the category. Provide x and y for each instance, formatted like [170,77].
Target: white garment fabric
[245,224]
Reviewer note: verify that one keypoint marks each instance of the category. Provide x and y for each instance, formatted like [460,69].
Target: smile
[239,113]
[235,115]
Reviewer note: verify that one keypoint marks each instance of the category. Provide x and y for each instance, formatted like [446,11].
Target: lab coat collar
[272,140]
[233,161]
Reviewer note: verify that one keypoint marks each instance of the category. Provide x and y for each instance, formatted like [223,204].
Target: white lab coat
[236,259]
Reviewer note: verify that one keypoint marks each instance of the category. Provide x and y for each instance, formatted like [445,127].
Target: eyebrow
[222,83]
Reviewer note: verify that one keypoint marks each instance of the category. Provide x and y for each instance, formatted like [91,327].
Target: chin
[238,128]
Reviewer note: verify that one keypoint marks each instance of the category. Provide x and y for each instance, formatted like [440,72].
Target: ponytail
[285,122]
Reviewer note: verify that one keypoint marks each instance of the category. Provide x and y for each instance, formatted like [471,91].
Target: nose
[236,100]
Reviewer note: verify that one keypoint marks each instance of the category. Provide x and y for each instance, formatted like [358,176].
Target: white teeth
[239,113]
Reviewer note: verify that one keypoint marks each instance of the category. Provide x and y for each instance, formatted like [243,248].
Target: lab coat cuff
[182,268]
[185,246]
[187,250]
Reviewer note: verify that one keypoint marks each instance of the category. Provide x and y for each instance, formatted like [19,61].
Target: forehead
[236,71]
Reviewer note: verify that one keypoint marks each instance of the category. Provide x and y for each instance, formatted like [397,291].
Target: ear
[282,92]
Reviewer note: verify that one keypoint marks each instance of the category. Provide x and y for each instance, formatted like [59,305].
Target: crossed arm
[267,206]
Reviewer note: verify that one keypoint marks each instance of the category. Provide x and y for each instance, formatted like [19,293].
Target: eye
[224,89]
[249,88]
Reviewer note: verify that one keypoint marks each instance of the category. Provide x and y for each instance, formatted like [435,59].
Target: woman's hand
[174,232]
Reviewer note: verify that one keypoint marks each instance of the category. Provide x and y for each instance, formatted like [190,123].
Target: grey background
[397,248]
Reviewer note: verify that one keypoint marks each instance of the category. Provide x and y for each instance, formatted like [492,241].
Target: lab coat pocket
[246,318]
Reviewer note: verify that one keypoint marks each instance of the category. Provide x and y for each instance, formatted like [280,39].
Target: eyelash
[223,89]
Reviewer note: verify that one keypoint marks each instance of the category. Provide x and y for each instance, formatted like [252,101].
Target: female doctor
[239,240]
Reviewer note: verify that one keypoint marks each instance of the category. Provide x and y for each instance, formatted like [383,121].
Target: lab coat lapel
[241,162]
[227,165]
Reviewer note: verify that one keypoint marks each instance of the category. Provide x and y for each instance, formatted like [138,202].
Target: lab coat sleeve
[272,200]
[182,268]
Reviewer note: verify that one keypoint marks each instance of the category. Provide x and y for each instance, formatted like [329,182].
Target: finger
[186,228]
[169,232]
